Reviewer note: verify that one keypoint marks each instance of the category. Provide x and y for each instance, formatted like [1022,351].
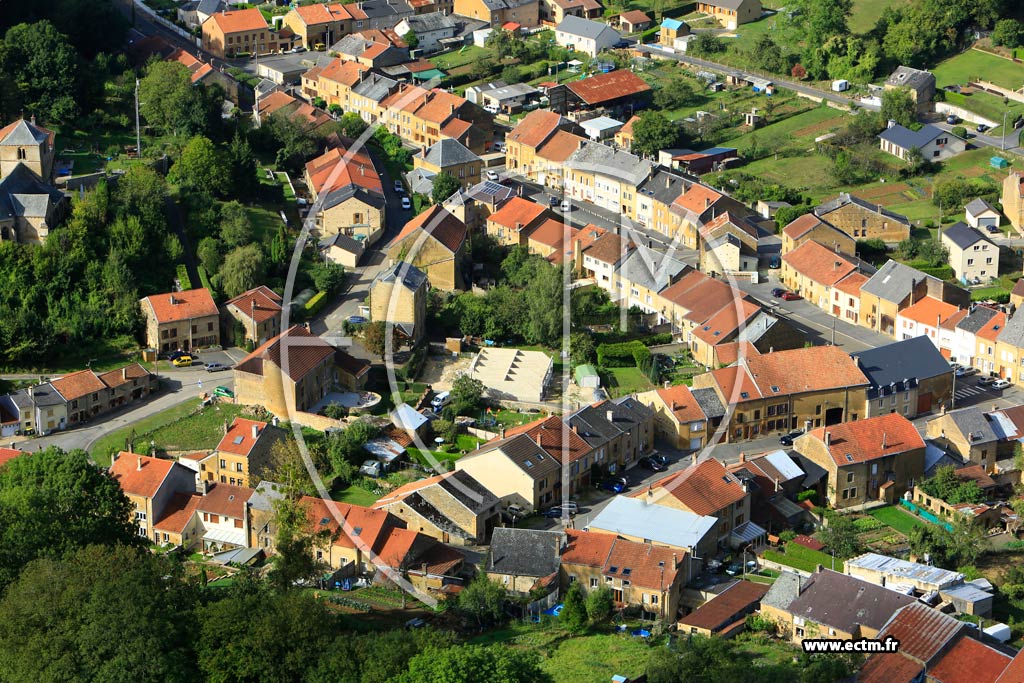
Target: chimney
[610,415]
[173,301]
[138,463]
[650,490]
[453,109]
[255,432]
[575,429]
[673,406]
[743,457]
[828,439]
[890,124]
[538,440]
[707,202]
[675,561]
[225,427]
[124,373]
[884,445]
[32,119]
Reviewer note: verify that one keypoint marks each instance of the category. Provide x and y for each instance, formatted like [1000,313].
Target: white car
[492,175]
[406,204]
[566,205]
[1001,384]
[399,188]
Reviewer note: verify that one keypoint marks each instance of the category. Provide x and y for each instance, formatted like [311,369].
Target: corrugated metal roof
[902,569]
[659,523]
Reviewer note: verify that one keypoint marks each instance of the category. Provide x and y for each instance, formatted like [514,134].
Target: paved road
[731,71]
[1010,144]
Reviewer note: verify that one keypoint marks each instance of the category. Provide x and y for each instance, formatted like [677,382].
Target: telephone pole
[138,135]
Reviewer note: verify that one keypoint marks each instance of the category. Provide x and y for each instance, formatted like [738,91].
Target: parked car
[652,465]
[775,263]
[659,458]
[1001,384]
[569,506]
[357,320]
[492,175]
[613,485]
[183,361]
[791,296]
[952,120]
[787,439]
[441,400]
[406,204]
[733,569]
[992,228]
[223,392]
[966,372]
[399,188]
[777,292]
[987,381]
[498,146]
[566,205]
[217,367]
[981,128]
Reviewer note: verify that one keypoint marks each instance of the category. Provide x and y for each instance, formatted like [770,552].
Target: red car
[791,296]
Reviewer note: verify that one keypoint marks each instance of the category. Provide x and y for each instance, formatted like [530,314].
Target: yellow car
[182,362]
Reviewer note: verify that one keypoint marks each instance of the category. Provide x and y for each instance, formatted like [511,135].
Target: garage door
[695,444]
[924,402]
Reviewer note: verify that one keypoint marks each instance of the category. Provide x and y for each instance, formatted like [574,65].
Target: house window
[238,467]
[799,632]
[849,477]
[223,463]
[594,582]
[209,327]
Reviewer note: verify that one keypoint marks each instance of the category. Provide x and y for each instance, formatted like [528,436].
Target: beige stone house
[515,469]
[810,228]
[351,191]
[435,243]
[876,459]
[226,34]
[259,311]
[241,455]
[181,320]
[864,220]
[972,255]
[1012,200]
[398,295]
[452,507]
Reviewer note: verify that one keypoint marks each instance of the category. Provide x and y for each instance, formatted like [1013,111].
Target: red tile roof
[814,368]
[534,128]
[78,384]
[928,311]
[177,306]
[889,668]
[178,512]
[799,227]
[239,440]
[140,475]
[635,17]
[116,378]
[1014,673]
[730,605]
[342,71]
[730,352]
[322,14]
[607,87]
[869,439]
[260,303]
[608,248]
[622,559]
[969,661]
[820,264]
[852,283]
[435,106]
[226,500]
[456,128]
[551,233]
[237,21]
[680,401]
[8,454]
[703,488]
[559,147]
[518,213]
[992,328]
[305,353]
[550,431]
[438,223]
[701,296]
[696,199]
[338,167]
[923,632]
[721,326]
[274,102]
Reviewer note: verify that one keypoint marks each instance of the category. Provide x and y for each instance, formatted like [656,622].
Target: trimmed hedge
[624,355]
[183,278]
[657,339]
[205,279]
[315,304]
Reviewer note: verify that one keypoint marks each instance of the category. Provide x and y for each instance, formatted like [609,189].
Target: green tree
[574,609]
[544,304]
[53,502]
[788,214]
[351,124]
[243,269]
[200,168]
[473,663]
[411,40]
[327,277]
[445,185]
[675,94]
[90,594]
[211,254]
[172,104]
[898,105]
[375,335]
[581,348]
[511,74]
[1008,33]
[653,132]
[235,225]
[706,44]
[41,72]
[467,395]
[946,548]
[292,141]
[947,486]
[242,168]
[600,605]
[482,68]
[840,536]
[483,600]
[295,541]
[767,55]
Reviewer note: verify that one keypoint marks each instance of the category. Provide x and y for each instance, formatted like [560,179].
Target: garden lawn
[266,221]
[200,431]
[801,557]
[461,57]
[597,658]
[103,447]
[865,13]
[974,64]
[354,495]
[801,128]
[900,520]
[512,418]
[623,381]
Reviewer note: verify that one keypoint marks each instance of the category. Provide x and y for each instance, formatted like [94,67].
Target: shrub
[313,306]
[807,495]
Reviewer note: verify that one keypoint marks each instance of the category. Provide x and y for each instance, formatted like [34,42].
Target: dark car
[987,381]
[775,263]
[613,485]
[357,320]
[217,367]
[652,465]
[777,292]
[659,458]
[175,355]
[791,296]
[981,128]
[787,439]
[552,513]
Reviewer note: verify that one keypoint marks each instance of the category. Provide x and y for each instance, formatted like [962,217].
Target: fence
[170,26]
[998,90]
[925,514]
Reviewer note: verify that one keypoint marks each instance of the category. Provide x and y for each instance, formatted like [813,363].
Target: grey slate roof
[449,152]
[342,194]
[210,6]
[490,192]
[505,4]
[1013,333]
[963,235]
[432,21]
[342,241]
[893,281]
[428,511]
[510,92]
[728,4]
[709,402]
[23,194]
[458,483]
[784,591]
[664,186]
[264,496]
[375,87]
[593,425]
[861,603]
[524,452]
[973,421]
[909,139]
[900,365]
[525,552]
[578,26]
[384,8]
[977,319]
[978,206]
[656,275]
[629,409]
[813,472]
[845,198]
[46,395]
[421,181]
[25,133]
[905,76]
[602,159]
[411,277]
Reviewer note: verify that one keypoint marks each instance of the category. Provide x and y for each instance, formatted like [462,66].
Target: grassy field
[354,495]
[802,128]
[804,558]
[171,429]
[898,519]
[974,64]
[623,381]
[866,13]
[461,57]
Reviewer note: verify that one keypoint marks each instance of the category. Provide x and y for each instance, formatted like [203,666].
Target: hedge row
[183,278]
[624,355]
[317,302]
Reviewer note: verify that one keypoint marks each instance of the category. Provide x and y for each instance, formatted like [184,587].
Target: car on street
[791,296]
[659,458]
[652,465]
[613,485]
[217,367]
[357,319]
[184,361]
[777,292]
[981,128]
[406,204]
[1001,384]
[223,392]
[566,205]
[787,439]
[171,355]
[952,120]
[966,372]
[399,188]
[733,569]
[570,506]
[498,146]
[775,263]
[492,175]
[987,381]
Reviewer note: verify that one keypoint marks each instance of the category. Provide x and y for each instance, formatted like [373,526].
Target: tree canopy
[445,185]
[653,132]
[41,73]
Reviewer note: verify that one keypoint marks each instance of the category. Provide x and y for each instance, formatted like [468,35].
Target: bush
[315,304]
[959,131]
[758,624]
[619,355]
[183,278]
[807,495]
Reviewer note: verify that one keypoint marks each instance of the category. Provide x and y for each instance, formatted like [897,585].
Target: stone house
[181,320]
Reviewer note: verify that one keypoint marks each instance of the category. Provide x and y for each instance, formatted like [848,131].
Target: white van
[441,400]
